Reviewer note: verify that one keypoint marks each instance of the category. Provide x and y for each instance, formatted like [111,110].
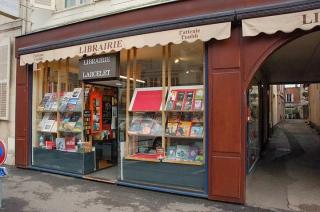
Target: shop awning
[305,20]
[217,31]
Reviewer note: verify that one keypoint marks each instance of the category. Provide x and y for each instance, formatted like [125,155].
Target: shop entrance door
[101,128]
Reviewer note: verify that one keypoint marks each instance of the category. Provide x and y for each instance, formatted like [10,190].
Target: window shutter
[4,78]
[44,4]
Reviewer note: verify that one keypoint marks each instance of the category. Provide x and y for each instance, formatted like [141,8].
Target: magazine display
[182,137]
[184,153]
[60,120]
[71,101]
[48,123]
[48,102]
[185,99]
[184,125]
[146,124]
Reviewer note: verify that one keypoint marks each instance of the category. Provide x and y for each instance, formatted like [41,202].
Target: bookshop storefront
[129,110]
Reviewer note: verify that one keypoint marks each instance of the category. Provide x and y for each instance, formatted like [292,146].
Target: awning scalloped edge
[204,33]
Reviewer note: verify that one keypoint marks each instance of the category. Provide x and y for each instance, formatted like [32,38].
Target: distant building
[277,104]
[296,102]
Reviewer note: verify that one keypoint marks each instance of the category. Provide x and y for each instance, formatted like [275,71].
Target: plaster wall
[314,104]
[10,29]
[44,19]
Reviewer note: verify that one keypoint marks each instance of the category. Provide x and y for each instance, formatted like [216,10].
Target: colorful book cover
[196,130]
[182,152]
[71,106]
[44,119]
[54,127]
[174,117]
[180,100]
[69,126]
[64,101]
[186,116]
[135,126]
[171,152]
[48,125]
[188,103]
[146,126]
[76,93]
[183,128]
[193,153]
[198,104]
[197,117]
[49,102]
[60,144]
[172,128]
[199,94]
[171,99]
[70,142]
[157,125]
[44,100]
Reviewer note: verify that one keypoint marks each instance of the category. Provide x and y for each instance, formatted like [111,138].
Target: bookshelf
[179,121]
[58,106]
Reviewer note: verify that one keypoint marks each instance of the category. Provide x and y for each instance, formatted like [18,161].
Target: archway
[289,59]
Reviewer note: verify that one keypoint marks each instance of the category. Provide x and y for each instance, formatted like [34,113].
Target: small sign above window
[99,67]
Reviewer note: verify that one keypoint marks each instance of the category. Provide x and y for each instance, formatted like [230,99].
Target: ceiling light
[187,72]
[176,60]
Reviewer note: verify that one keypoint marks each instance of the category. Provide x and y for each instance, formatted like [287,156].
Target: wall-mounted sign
[10,8]
[99,67]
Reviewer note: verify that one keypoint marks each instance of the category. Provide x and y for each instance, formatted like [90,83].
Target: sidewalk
[287,176]
[27,190]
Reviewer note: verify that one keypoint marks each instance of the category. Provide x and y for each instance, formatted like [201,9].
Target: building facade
[175,106]
[13,23]
[314,110]
[277,101]
[296,106]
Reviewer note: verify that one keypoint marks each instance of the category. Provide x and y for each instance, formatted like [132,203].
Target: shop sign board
[3,152]
[99,67]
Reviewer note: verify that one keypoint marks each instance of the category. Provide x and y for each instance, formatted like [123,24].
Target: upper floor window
[73,3]
[289,97]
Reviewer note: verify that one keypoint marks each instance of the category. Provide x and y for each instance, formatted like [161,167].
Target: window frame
[77,3]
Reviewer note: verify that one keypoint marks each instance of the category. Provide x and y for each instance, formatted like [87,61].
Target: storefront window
[165,117]
[149,117]
[58,127]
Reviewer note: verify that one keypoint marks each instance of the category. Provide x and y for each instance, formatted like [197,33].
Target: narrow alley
[288,174]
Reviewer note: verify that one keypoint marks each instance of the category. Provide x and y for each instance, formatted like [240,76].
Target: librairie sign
[99,67]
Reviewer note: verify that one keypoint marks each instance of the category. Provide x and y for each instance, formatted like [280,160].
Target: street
[28,190]
[287,176]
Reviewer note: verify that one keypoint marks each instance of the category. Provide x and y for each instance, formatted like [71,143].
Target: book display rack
[58,103]
[169,131]
[60,122]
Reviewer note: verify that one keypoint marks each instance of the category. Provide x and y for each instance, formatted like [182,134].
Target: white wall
[10,28]
[44,19]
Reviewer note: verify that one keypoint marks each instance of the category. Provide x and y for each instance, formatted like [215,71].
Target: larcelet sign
[99,67]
